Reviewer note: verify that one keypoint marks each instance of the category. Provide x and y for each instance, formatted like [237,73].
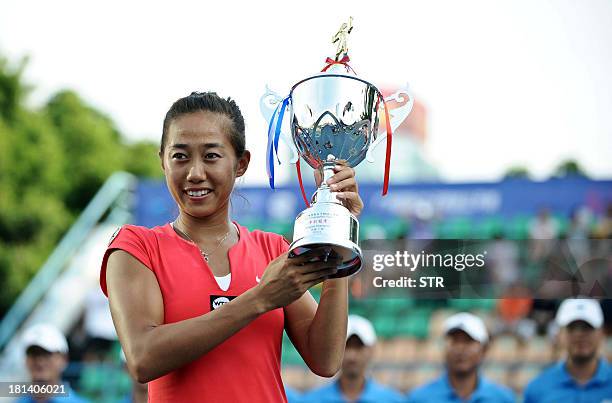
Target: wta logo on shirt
[217,301]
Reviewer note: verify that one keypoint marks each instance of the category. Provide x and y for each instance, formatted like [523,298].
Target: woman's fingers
[319,274]
[318,280]
[342,172]
[312,267]
[312,254]
[349,196]
[351,201]
[345,184]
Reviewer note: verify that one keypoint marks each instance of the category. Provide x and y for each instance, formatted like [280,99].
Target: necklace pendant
[204,254]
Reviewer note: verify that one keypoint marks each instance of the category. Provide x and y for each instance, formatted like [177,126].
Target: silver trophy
[334,116]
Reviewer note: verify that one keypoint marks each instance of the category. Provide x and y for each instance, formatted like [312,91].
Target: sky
[505,83]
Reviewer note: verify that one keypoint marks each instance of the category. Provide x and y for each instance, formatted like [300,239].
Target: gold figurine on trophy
[341,38]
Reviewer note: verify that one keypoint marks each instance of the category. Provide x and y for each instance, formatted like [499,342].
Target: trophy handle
[268,103]
[396,116]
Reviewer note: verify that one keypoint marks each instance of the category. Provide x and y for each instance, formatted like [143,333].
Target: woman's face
[200,163]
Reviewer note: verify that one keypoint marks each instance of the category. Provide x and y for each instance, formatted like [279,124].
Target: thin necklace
[204,254]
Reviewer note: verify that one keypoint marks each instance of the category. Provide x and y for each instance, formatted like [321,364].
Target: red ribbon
[344,61]
[388,152]
[299,175]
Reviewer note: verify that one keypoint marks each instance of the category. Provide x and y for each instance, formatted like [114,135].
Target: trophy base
[333,229]
[352,259]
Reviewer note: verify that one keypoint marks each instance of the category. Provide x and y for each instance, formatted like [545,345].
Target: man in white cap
[466,345]
[585,376]
[46,352]
[352,384]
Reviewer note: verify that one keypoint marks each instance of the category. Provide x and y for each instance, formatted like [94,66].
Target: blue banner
[506,199]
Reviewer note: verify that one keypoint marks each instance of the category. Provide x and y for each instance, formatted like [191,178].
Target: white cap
[362,328]
[471,324]
[587,310]
[46,336]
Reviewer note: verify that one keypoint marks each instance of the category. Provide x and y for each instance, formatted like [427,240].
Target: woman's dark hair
[208,101]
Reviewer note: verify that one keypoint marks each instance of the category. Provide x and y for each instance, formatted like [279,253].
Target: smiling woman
[201,166]
[195,300]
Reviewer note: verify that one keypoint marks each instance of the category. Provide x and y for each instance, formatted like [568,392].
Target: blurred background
[509,140]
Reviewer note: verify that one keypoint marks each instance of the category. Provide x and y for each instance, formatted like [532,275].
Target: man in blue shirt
[46,351]
[293,396]
[466,344]
[352,384]
[585,376]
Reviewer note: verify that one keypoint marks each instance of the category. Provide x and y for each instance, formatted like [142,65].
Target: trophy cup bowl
[334,117]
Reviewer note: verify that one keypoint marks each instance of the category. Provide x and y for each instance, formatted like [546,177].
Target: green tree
[141,159]
[567,168]
[517,172]
[91,143]
[53,160]
[12,89]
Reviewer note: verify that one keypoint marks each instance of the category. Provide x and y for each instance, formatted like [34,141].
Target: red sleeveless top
[245,367]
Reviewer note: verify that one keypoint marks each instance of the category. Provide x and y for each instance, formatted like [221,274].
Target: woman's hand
[287,278]
[343,182]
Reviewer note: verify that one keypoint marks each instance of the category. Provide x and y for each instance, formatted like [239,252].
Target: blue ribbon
[270,149]
[273,138]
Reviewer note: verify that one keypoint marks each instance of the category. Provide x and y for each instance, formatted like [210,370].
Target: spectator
[139,392]
[542,230]
[293,396]
[46,352]
[578,234]
[101,334]
[353,385]
[503,260]
[603,230]
[585,376]
[543,226]
[514,308]
[466,344]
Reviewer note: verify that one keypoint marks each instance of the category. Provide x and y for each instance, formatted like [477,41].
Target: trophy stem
[328,170]
[324,193]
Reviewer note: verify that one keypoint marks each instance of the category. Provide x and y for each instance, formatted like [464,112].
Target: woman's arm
[319,333]
[153,349]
